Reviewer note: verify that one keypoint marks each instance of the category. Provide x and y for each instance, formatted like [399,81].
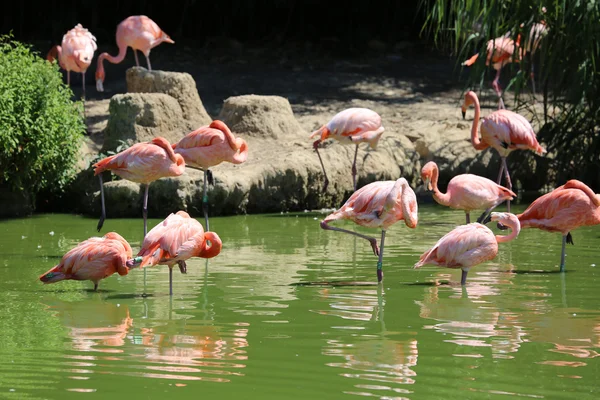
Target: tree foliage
[566,67]
[40,126]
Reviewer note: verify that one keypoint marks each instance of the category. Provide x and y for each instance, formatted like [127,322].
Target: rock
[179,85]
[260,116]
[140,117]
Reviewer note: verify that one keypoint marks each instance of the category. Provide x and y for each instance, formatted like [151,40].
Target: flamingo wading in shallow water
[75,52]
[466,192]
[564,209]
[142,163]
[93,259]
[138,32]
[175,240]
[469,245]
[353,125]
[378,205]
[502,130]
[209,146]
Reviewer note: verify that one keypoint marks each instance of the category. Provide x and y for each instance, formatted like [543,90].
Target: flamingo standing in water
[502,130]
[353,125]
[142,163]
[466,191]
[93,259]
[564,209]
[208,146]
[75,52]
[175,240]
[469,245]
[138,32]
[378,205]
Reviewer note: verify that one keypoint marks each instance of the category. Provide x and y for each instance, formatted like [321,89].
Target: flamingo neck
[114,60]
[216,124]
[214,248]
[441,198]
[477,144]
[409,205]
[515,229]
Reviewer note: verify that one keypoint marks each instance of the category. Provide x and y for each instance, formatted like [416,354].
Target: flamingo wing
[201,137]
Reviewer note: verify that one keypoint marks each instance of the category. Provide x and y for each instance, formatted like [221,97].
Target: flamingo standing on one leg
[93,259]
[353,125]
[502,130]
[138,32]
[175,240]
[466,192]
[208,146]
[75,52]
[469,245]
[378,205]
[500,51]
[142,163]
[564,209]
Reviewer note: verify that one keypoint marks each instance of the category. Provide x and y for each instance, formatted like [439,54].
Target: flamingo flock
[380,204]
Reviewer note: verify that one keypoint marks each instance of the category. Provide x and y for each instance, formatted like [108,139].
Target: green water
[239,327]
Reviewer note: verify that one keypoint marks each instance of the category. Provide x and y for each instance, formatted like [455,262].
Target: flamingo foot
[182,266]
[373,242]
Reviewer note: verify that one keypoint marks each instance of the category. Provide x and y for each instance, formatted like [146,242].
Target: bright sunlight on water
[249,323]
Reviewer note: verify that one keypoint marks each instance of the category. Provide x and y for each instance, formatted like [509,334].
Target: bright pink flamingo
[75,52]
[142,163]
[466,192]
[208,146]
[564,209]
[469,245]
[138,32]
[502,130]
[500,51]
[378,205]
[353,125]
[175,240]
[93,259]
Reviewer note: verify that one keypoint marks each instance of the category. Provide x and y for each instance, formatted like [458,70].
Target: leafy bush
[40,126]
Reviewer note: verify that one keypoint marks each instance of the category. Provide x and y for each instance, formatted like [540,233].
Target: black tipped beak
[486,220]
[464,114]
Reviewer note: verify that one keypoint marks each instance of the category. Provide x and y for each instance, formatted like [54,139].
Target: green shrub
[40,126]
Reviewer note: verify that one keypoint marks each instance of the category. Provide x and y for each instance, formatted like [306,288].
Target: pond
[250,324]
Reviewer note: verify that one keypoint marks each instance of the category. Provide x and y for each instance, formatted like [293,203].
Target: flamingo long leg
[354,168]
[463,277]
[380,261]
[562,255]
[532,80]
[508,182]
[145,210]
[83,85]
[205,199]
[371,240]
[103,215]
[95,286]
[137,61]
[500,173]
[148,61]
[468,215]
[68,78]
[496,85]
[316,147]
[170,280]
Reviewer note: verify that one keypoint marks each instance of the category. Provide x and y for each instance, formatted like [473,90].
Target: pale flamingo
[502,130]
[378,205]
[564,209]
[138,32]
[466,192]
[469,245]
[142,163]
[75,52]
[500,51]
[208,146]
[93,259]
[175,240]
[351,126]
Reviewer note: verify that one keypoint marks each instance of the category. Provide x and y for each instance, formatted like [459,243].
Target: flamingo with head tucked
[351,126]
[469,245]
[138,32]
[209,146]
[502,130]
[378,205]
[564,209]
[75,52]
[142,163]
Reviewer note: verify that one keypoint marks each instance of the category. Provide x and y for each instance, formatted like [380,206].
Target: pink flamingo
[502,130]
[466,192]
[93,259]
[469,245]
[564,209]
[175,240]
[142,163]
[75,53]
[378,205]
[353,125]
[138,32]
[208,146]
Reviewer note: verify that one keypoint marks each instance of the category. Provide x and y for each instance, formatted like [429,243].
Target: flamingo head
[100,80]
[427,173]
[470,98]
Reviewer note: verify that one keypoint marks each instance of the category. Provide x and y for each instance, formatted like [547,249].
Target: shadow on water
[335,283]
